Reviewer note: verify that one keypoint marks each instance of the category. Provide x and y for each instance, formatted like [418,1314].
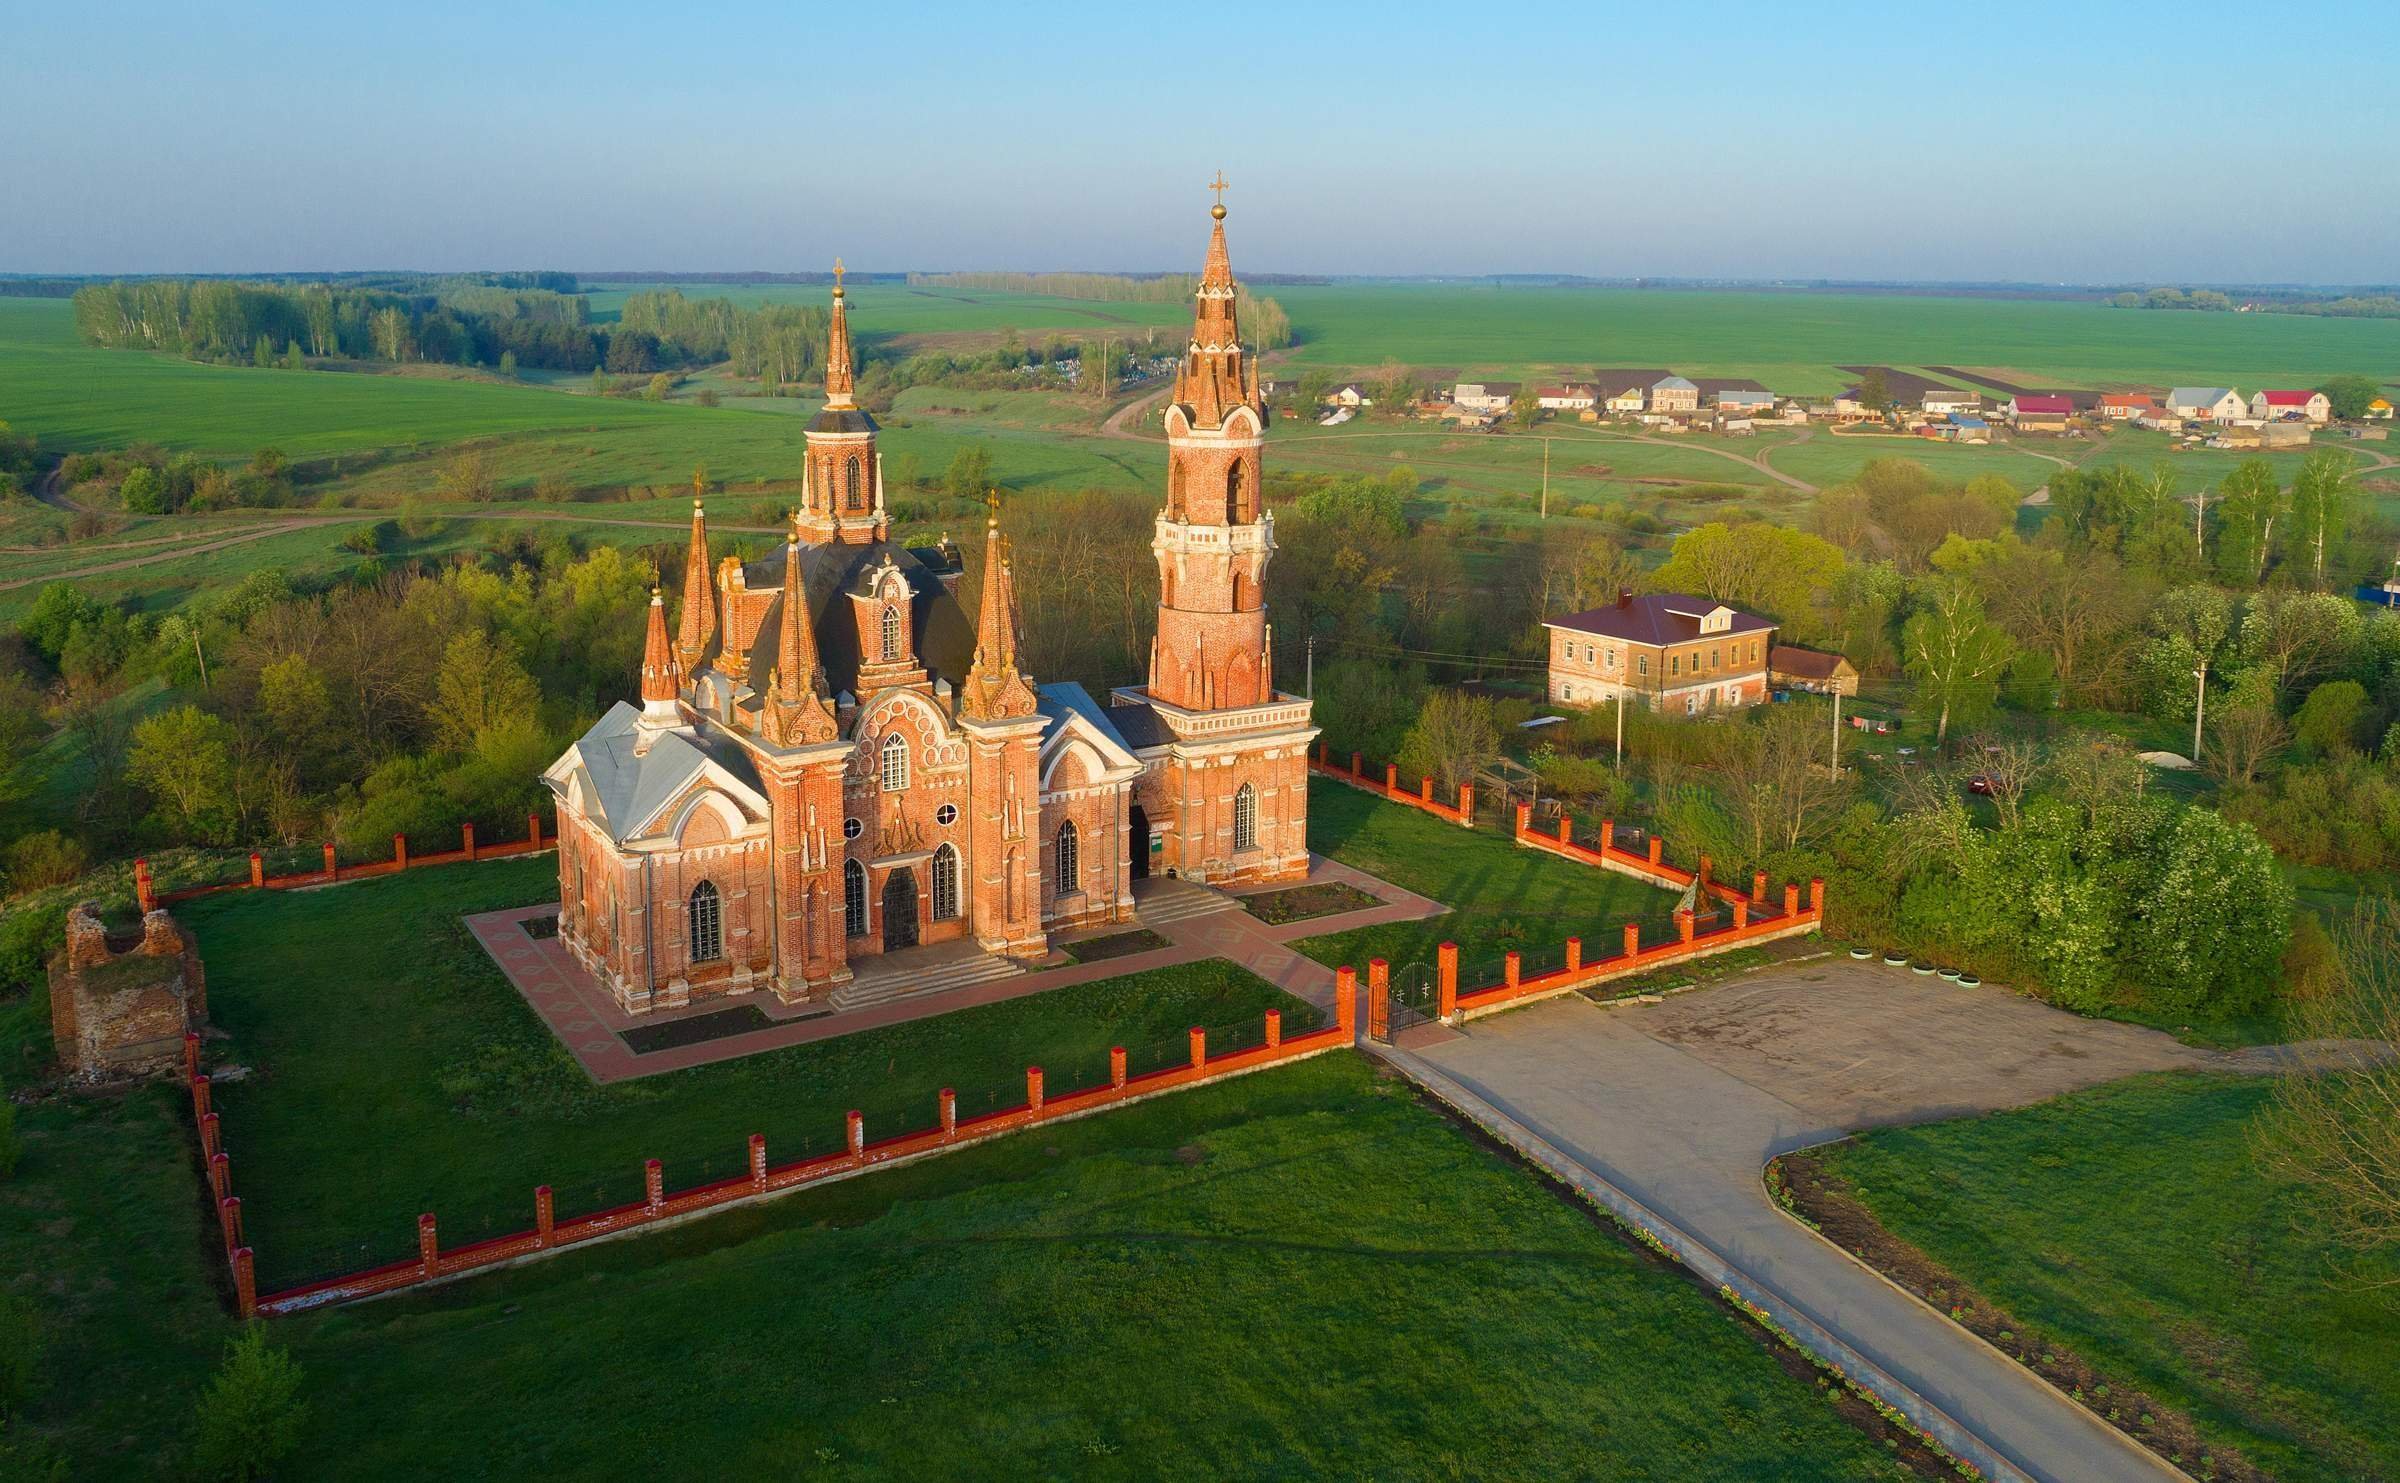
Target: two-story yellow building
[1670,651]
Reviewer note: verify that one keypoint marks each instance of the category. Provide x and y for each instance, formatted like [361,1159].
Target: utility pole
[1308,685]
[2199,705]
[1837,733]
[200,655]
[1620,728]
[1545,478]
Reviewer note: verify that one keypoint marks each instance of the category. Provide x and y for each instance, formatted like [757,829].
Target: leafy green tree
[1764,568]
[56,612]
[508,364]
[1455,734]
[2349,395]
[1954,652]
[2249,502]
[480,686]
[2323,502]
[969,474]
[2210,926]
[2329,722]
[251,1414]
[184,757]
[1874,391]
[143,490]
[1525,408]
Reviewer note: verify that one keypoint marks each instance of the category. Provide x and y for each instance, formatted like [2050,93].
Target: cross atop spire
[795,709]
[1218,185]
[699,592]
[1214,378]
[662,677]
[839,384]
[995,690]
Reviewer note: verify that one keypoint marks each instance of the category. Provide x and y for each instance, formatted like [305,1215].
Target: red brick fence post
[1033,1088]
[145,895]
[245,1283]
[1633,939]
[1199,1047]
[545,1216]
[654,1185]
[948,1103]
[855,1132]
[258,869]
[332,871]
[467,839]
[1445,974]
[1345,1001]
[429,1246]
[1274,1028]
[533,830]
[400,852]
[1116,1067]
[758,1161]
[1574,954]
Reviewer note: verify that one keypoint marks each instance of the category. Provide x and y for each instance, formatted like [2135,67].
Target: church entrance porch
[1138,844]
[900,911]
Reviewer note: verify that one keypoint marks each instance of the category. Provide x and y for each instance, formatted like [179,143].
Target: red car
[1980,784]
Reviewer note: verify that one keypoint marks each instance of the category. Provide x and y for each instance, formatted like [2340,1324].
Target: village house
[1625,392]
[2380,409]
[832,760]
[2158,420]
[1669,651]
[1752,400]
[1348,395]
[1568,398]
[1849,405]
[1673,395]
[2291,406]
[2125,406]
[1791,667]
[2207,403]
[1966,429]
[1944,400]
[1483,396]
[2037,412]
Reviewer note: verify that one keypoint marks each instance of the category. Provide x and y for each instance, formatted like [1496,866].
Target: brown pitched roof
[1807,664]
[1658,618]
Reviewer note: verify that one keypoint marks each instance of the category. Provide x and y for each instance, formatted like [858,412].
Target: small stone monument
[122,1011]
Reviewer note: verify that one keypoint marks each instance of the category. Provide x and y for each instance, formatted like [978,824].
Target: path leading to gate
[582,1013]
[1668,1112]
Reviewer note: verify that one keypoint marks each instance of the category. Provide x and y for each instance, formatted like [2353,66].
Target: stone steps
[1179,901]
[872,985]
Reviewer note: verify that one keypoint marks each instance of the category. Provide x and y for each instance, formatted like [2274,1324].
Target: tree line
[1264,322]
[283,324]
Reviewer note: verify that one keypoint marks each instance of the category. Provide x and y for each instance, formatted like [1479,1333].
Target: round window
[851,828]
[946,815]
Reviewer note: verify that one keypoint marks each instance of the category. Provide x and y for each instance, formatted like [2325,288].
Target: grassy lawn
[1500,896]
[2134,1225]
[1302,1273]
[396,1071]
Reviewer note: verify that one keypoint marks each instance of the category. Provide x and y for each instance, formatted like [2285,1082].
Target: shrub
[251,1414]
[47,858]
[12,1149]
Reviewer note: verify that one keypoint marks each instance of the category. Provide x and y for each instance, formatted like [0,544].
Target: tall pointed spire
[662,676]
[994,689]
[839,381]
[796,711]
[699,592]
[1211,382]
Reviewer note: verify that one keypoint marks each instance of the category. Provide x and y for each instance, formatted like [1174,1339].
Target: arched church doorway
[1139,845]
[900,910]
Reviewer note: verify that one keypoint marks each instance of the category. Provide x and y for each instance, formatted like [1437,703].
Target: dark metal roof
[845,420]
[1659,618]
[1808,664]
[1138,724]
[945,635]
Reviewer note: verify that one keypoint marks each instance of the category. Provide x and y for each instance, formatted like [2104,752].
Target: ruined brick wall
[124,1013]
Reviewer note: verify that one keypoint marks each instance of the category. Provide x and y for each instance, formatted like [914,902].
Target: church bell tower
[1215,537]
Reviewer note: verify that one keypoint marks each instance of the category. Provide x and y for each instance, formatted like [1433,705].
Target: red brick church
[831,759]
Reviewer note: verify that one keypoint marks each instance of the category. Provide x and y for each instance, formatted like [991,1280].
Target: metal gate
[1412,997]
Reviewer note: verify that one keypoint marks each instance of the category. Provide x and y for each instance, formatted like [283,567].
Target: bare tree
[2008,769]
[2335,1128]
[1775,783]
[2097,774]
[2247,735]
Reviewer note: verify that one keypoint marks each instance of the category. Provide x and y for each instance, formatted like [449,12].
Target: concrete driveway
[1678,1105]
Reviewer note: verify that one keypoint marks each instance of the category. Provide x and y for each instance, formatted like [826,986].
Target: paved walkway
[586,1019]
[1678,1105]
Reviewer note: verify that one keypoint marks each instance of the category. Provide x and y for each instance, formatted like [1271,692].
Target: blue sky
[2030,141]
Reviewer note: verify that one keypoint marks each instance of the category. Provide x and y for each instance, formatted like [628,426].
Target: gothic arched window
[1245,818]
[895,763]
[854,898]
[1233,494]
[945,883]
[708,924]
[850,499]
[1070,858]
[891,632]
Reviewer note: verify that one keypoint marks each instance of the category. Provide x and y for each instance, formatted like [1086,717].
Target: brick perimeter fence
[1754,918]
[147,894]
[858,1156]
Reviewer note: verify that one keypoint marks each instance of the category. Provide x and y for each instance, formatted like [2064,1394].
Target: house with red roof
[2039,412]
[1670,651]
[2291,406]
[2126,406]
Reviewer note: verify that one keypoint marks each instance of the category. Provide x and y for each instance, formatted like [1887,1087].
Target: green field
[2135,1225]
[1793,341]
